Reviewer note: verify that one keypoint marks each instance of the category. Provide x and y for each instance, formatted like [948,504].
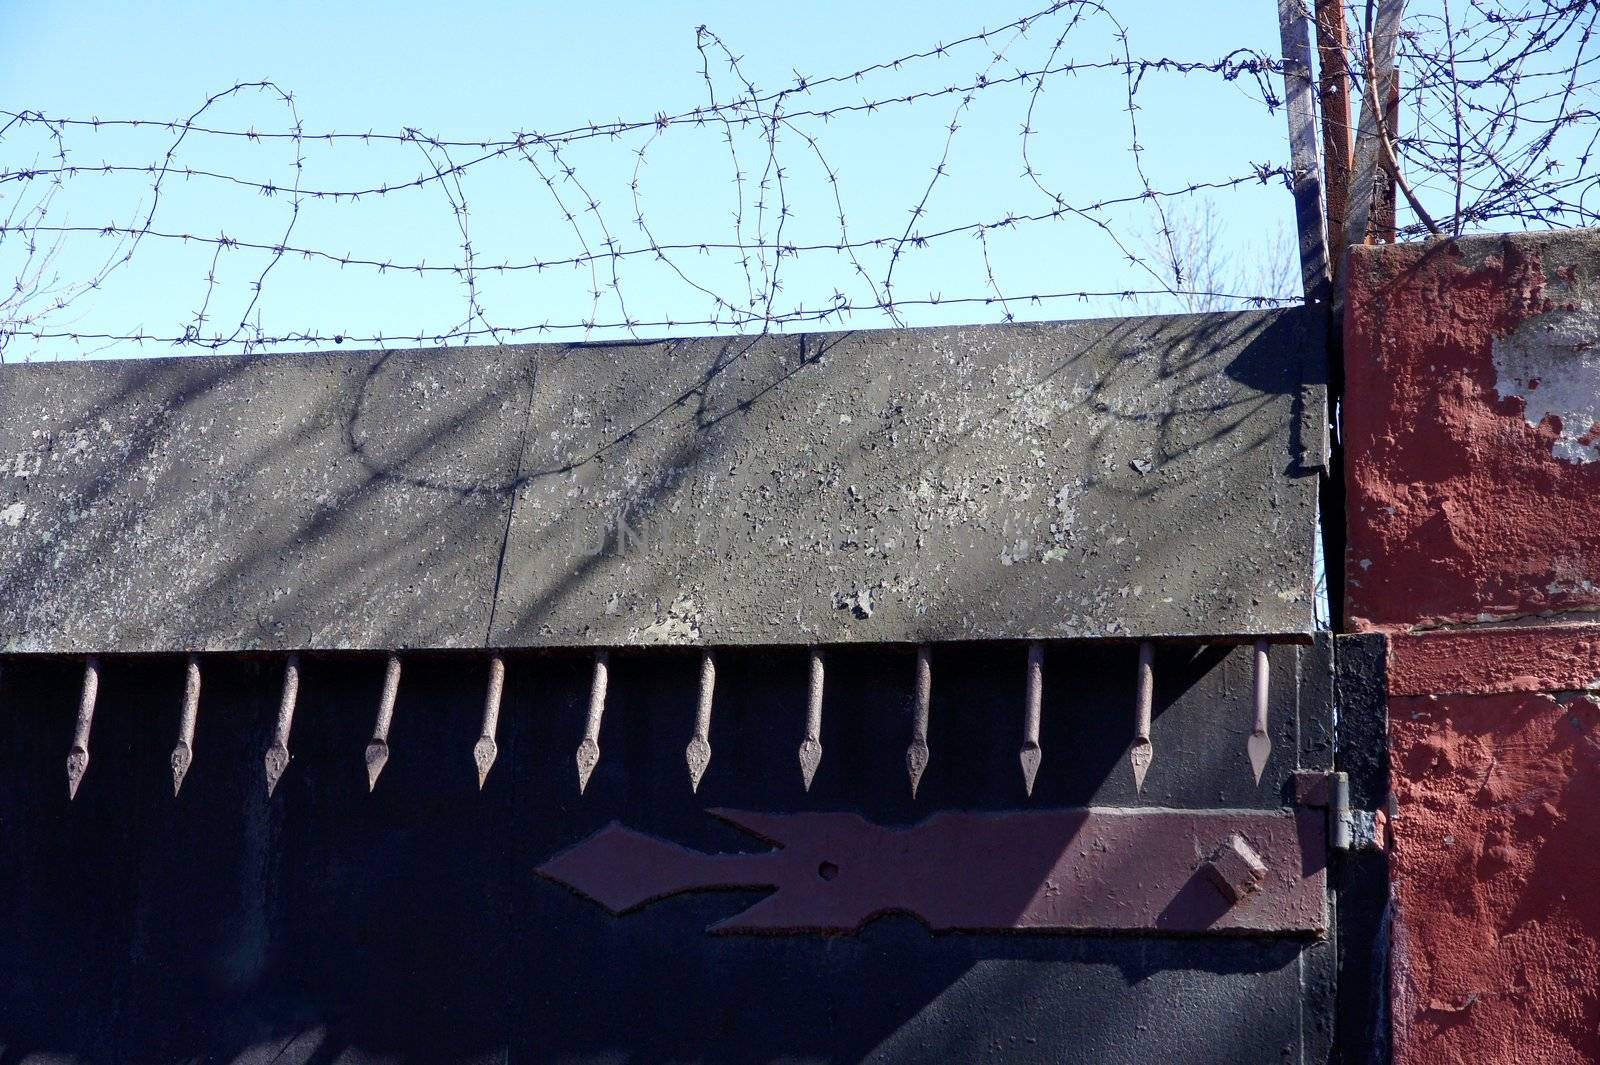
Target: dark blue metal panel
[333,925]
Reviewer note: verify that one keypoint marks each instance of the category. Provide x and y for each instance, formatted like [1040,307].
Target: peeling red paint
[1548,658]
[1458,508]
[1494,867]
[1462,512]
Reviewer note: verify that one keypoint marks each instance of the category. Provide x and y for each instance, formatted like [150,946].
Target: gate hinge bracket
[1348,829]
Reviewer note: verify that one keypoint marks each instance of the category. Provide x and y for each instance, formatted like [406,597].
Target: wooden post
[1333,62]
[1364,182]
[1295,35]
[1384,228]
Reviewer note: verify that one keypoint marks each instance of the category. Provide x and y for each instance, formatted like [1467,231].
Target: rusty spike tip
[811,744]
[1143,752]
[182,756]
[183,750]
[589,750]
[377,756]
[810,759]
[485,750]
[1259,745]
[698,755]
[377,752]
[916,763]
[277,760]
[917,752]
[277,756]
[77,765]
[78,754]
[1031,756]
[483,756]
[1141,756]
[588,758]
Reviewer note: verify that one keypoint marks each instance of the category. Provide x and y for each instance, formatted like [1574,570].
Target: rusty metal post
[1333,60]
[183,751]
[698,753]
[589,749]
[377,753]
[1364,178]
[1259,745]
[1032,713]
[277,758]
[917,752]
[1295,36]
[78,755]
[485,750]
[811,744]
[1385,204]
[1143,752]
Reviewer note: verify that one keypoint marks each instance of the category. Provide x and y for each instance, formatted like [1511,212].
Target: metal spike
[811,745]
[589,749]
[1259,745]
[1031,755]
[484,751]
[277,758]
[377,755]
[698,753]
[917,752]
[1143,753]
[78,756]
[183,751]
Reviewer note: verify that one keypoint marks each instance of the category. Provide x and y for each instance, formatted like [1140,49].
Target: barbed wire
[788,253]
[1502,106]
[782,181]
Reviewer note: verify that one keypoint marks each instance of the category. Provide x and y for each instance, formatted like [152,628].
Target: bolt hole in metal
[827,870]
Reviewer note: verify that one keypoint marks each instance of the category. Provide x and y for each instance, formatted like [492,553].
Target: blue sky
[464,72]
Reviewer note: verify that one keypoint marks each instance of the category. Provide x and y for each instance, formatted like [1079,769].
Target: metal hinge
[1348,829]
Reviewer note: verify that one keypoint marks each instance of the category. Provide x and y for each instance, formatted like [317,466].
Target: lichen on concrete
[1120,477]
[1125,477]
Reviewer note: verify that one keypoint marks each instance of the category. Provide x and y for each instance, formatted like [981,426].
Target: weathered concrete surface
[1138,476]
[311,501]
[1495,867]
[1470,421]
[1122,477]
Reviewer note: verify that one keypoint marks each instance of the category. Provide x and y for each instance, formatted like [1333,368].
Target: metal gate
[751,920]
[338,726]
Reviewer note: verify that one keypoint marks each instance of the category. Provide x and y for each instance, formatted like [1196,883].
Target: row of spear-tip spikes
[698,752]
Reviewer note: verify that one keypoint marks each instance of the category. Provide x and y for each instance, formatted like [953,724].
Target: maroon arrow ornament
[1026,870]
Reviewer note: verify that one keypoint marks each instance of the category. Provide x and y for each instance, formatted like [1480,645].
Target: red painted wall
[1459,508]
[1496,865]
[1473,478]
